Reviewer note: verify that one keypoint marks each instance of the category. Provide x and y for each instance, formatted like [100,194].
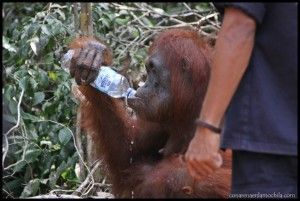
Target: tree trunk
[86,27]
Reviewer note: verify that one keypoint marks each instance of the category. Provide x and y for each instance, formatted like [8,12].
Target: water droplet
[130,160]
[131,142]
[132,194]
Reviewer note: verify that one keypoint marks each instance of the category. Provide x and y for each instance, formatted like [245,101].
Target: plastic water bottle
[113,83]
[107,81]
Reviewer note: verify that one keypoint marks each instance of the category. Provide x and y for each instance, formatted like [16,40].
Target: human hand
[202,157]
[87,61]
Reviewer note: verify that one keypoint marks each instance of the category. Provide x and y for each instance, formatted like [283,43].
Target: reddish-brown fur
[112,129]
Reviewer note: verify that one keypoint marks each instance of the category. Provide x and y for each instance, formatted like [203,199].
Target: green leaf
[22,73]
[50,108]
[159,10]
[105,22]
[33,83]
[28,116]
[57,28]
[64,136]
[13,107]
[8,92]
[32,155]
[14,185]
[23,84]
[44,41]
[38,97]
[43,78]
[40,14]
[19,166]
[111,16]
[121,21]
[65,174]
[56,147]
[134,32]
[61,14]
[45,30]
[203,7]
[52,75]
[147,22]
[31,188]
[54,175]
[33,134]
[49,58]
[44,181]
[9,118]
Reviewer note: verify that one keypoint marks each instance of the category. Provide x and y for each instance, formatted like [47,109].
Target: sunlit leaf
[34,44]
[159,10]
[52,75]
[40,14]
[46,142]
[55,5]
[6,45]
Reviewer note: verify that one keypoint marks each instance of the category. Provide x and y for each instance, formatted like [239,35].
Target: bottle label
[107,79]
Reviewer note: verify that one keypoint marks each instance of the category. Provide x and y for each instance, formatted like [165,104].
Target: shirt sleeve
[254,10]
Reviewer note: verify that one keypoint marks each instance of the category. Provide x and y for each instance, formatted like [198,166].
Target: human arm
[232,53]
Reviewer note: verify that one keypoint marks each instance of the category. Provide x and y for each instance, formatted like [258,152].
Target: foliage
[34,37]
[130,27]
[40,151]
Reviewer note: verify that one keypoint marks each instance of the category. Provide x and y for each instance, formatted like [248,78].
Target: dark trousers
[264,175]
